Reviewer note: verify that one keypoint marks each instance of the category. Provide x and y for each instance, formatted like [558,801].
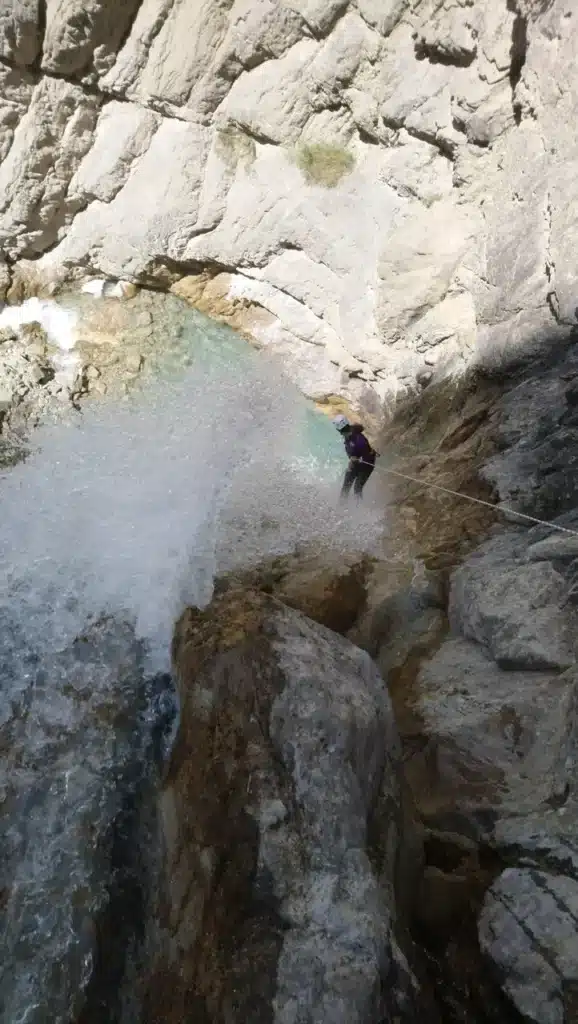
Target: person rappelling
[361,456]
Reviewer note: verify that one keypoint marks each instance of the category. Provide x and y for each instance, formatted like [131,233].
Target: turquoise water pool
[195,338]
[174,338]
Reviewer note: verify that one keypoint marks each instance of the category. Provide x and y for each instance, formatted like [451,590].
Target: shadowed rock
[529,929]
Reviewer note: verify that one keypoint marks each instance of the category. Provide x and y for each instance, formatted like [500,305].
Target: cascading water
[114,523]
[60,327]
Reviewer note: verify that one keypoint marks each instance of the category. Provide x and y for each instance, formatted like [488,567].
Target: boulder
[29,392]
[498,744]
[513,608]
[528,930]
[289,853]
[329,590]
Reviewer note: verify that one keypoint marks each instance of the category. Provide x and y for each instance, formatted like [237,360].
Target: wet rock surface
[81,734]
[289,851]
[29,391]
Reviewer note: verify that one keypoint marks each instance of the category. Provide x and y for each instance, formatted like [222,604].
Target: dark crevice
[130,851]
[367,137]
[162,271]
[404,191]
[552,300]
[561,859]
[463,59]
[260,55]
[42,17]
[332,23]
[464,989]
[252,133]
[290,246]
[518,54]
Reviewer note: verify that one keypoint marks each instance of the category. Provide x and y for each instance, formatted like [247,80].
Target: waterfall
[116,520]
[130,509]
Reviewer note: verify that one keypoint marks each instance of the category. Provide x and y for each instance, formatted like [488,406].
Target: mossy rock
[233,146]
[324,164]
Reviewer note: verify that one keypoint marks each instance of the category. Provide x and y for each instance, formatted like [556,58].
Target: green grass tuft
[323,164]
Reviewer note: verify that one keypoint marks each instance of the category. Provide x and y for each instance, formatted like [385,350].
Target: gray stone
[557,547]
[528,929]
[20,31]
[547,839]
[37,171]
[82,37]
[27,391]
[134,362]
[311,763]
[404,616]
[498,743]
[514,609]
[76,752]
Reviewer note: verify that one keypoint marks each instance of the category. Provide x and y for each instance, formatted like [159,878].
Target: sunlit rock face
[390,185]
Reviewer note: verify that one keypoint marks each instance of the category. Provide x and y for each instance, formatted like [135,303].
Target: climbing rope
[468,497]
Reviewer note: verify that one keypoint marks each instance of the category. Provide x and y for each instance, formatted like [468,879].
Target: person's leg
[361,479]
[349,479]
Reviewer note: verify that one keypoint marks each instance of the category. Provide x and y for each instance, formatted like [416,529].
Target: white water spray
[60,325]
[132,510]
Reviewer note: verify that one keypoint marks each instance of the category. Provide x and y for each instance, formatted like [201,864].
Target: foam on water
[58,322]
[60,325]
[133,509]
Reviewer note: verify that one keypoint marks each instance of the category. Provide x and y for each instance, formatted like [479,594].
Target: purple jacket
[358,447]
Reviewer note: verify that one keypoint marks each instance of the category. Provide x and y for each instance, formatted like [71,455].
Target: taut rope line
[468,497]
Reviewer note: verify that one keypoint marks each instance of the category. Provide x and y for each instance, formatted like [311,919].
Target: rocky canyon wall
[391,181]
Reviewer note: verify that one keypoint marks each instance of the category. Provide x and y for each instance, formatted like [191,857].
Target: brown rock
[286,751]
[444,899]
[329,591]
[332,597]
[209,294]
[35,339]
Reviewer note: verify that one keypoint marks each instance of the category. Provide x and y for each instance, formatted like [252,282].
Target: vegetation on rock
[234,146]
[324,164]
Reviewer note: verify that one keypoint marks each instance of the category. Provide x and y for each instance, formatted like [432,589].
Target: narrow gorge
[267,758]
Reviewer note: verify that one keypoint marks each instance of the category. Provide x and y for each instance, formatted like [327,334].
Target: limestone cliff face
[393,181]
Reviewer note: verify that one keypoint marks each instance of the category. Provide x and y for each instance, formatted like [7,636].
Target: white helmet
[340,422]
